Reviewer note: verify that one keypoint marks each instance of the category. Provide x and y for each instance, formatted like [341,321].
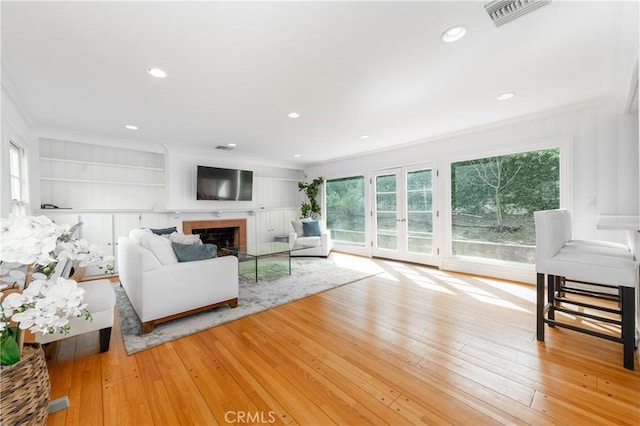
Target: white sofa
[318,245]
[162,289]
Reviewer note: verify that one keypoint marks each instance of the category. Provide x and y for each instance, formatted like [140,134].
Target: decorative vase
[25,388]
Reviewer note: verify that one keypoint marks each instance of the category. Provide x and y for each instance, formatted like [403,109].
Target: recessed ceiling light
[231,144]
[506,96]
[297,155]
[364,136]
[293,115]
[157,72]
[454,33]
[131,127]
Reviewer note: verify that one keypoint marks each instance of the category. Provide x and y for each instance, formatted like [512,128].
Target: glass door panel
[386,212]
[404,214]
[420,211]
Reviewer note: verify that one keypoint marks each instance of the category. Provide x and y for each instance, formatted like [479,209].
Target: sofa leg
[105,339]
[233,303]
[147,327]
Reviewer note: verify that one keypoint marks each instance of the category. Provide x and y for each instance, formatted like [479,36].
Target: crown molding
[79,137]
[11,91]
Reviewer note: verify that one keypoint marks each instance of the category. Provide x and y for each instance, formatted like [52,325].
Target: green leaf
[9,350]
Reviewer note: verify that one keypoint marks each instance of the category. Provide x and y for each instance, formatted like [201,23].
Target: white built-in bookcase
[97,177]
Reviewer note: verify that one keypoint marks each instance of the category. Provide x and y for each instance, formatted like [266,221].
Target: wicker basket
[24,389]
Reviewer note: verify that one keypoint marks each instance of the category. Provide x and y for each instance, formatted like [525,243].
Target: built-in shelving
[97,163]
[102,182]
[88,177]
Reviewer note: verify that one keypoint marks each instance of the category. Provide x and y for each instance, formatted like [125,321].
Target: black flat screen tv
[214,183]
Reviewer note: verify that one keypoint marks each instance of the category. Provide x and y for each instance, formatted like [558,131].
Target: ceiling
[236,69]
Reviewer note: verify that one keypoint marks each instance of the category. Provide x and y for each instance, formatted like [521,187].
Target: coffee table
[264,250]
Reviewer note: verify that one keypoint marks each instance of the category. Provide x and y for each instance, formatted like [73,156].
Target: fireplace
[222,233]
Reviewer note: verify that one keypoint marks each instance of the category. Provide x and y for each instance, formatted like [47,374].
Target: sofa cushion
[309,241]
[162,231]
[137,234]
[298,227]
[311,228]
[160,247]
[184,238]
[192,252]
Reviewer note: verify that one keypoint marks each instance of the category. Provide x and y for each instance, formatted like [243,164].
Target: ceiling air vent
[224,147]
[503,11]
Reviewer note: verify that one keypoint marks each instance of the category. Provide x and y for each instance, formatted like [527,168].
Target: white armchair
[317,238]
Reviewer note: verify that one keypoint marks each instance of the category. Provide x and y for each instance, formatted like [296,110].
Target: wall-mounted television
[214,183]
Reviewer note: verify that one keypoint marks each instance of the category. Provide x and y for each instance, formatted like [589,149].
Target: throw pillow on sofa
[137,234]
[192,252]
[298,227]
[162,231]
[160,247]
[311,228]
[184,238]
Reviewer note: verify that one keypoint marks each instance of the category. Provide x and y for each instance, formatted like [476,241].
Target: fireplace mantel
[250,211]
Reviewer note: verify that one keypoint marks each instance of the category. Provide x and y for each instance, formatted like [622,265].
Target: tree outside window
[493,200]
[346,210]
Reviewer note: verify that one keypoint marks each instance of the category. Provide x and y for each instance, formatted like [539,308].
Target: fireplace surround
[222,233]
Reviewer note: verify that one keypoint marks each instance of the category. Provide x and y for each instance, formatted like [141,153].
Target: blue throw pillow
[191,252]
[163,231]
[311,228]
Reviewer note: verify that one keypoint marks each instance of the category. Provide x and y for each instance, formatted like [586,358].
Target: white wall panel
[628,170]
[598,148]
[603,175]
[274,187]
[17,126]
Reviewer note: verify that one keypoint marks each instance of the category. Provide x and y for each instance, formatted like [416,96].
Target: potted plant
[39,303]
[311,209]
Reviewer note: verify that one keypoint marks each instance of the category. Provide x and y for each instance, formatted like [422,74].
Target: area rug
[275,287]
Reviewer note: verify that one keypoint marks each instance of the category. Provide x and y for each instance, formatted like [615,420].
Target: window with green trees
[346,210]
[493,200]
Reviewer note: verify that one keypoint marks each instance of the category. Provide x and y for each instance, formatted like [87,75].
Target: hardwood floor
[413,345]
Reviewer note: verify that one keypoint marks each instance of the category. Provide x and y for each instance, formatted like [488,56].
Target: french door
[404,214]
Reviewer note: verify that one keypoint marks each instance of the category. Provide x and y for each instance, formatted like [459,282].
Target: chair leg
[540,307]
[105,339]
[552,285]
[628,326]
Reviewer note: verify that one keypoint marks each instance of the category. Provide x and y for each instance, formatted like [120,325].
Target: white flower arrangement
[44,305]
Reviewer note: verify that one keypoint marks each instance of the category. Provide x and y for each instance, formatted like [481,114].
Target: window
[493,200]
[346,210]
[16,166]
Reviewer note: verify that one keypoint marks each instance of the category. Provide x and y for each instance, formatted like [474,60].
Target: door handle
[401,220]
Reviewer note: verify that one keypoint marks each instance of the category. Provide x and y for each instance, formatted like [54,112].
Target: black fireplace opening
[221,237]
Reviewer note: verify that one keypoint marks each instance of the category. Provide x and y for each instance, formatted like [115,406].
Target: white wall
[17,127]
[603,176]
[274,186]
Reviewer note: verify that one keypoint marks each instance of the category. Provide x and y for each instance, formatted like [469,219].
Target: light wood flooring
[413,345]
